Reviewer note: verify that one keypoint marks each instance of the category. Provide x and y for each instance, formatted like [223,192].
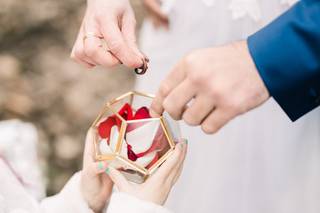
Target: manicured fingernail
[100,166]
[107,171]
[186,141]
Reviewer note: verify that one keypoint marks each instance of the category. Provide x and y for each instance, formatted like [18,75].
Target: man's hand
[211,86]
[114,22]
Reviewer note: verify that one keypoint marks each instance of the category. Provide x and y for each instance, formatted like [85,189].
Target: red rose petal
[131,155]
[104,127]
[126,112]
[142,113]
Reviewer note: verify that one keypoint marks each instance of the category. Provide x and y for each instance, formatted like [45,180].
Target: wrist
[91,199]
[250,66]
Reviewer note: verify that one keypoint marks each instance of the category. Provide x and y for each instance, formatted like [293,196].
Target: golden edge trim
[167,133]
[160,161]
[121,136]
[133,165]
[148,95]
[115,100]
[104,109]
[109,157]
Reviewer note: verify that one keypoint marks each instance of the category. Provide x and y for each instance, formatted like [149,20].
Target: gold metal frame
[115,155]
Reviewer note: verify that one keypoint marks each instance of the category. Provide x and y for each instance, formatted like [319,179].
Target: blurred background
[40,84]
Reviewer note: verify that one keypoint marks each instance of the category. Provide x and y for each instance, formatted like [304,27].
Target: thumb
[118,179]
[95,168]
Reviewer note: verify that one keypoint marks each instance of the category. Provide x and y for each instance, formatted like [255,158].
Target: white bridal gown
[260,162]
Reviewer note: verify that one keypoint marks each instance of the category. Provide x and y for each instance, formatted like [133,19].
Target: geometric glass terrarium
[130,139]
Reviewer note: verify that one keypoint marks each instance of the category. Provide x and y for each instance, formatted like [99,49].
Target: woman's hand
[157,187]
[114,22]
[158,18]
[96,186]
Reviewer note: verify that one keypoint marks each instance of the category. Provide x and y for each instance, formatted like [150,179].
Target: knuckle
[191,119]
[233,106]
[90,51]
[169,107]
[115,46]
[209,128]
[197,78]
[78,53]
[189,59]
[164,89]
[216,92]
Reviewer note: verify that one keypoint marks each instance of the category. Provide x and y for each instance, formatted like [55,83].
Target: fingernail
[186,141]
[107,171]
[100,165]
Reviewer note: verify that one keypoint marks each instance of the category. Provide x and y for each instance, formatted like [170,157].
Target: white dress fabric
[259,162]
[22,188]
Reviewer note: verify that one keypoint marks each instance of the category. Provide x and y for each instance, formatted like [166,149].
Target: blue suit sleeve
[287,55]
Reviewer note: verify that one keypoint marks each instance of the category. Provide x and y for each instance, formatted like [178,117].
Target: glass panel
[134,142]
[173,127]
[140,101]
[105,126]
[128,170]
[145,142]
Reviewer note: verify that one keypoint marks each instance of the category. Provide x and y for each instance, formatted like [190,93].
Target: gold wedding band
[94,35]
[91,34]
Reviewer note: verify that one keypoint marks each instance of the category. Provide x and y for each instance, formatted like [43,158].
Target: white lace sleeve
[241,8]
[68,200]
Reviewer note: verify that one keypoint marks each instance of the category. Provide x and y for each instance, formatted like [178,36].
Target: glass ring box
[130,139]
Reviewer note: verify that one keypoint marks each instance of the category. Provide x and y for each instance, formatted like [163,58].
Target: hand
[211,86]
[158,18]
[114,22]
[96,186]
[157,187]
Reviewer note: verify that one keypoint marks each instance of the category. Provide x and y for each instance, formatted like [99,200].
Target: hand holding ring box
[130,139]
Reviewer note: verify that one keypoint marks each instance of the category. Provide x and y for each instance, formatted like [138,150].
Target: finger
[182,164]
[198,111]
[96,168]
[128,29]
[176,102]
[117,45]
[93,46]
[169,165]
[78,54]
[175,77]
[83,63]
[94,50]
[118,179]
[174,175]
[88,156]
[217,119]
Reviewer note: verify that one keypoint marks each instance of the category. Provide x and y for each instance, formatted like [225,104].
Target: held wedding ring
[143,69]
[139,71]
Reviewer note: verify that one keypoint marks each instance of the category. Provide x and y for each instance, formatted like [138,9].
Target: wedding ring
[143,69]
[91,34]
[103,43]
